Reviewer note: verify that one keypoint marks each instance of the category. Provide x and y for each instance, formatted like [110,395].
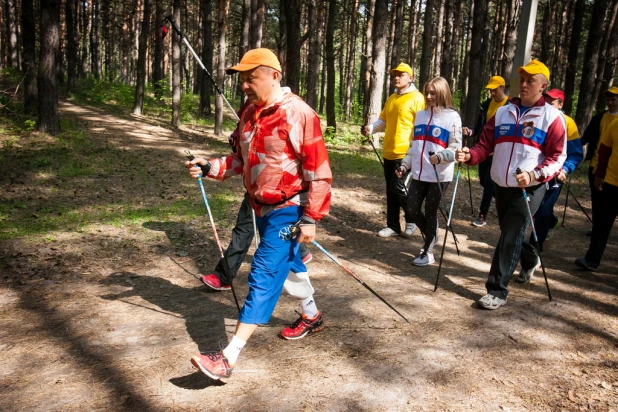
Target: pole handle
[175,26]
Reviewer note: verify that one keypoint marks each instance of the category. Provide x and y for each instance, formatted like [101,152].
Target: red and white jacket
[282,156]
[534,140]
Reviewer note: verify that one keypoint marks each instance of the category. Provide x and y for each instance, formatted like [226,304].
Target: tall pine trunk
[223,10]
[425,72]
[316,24]
[176,91]
[95,48]
[206,86]
[138,103]
[292,12]
[49,121]
[330,64]
[28,27]
[476,49]
[378,68]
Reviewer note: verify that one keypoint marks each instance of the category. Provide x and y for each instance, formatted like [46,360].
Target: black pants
[487,184]
[427,222]
[514,220]
[242,236]
[595,195]
[395,195]
[603,223]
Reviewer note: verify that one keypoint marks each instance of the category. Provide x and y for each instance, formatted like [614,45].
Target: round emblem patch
[285,233]
[436,132]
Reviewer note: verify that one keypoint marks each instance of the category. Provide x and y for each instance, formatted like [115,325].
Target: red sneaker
[307,258]
[303,326]
[213,282]
[213,364]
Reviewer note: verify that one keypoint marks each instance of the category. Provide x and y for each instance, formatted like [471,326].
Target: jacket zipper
[420,173]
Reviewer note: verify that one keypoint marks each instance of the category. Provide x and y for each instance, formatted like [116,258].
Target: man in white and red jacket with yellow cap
[528,135]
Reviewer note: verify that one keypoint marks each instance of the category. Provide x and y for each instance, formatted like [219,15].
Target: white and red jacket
[282,156]
[438,131]
[534,140]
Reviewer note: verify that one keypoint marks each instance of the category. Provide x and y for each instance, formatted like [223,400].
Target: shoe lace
[298,321]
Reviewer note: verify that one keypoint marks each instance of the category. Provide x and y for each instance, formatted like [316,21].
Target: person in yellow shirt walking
[592,136]
[397,122]
[606,183]
[496,87]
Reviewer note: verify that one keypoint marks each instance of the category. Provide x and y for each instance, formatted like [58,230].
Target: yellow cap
[535,67]
[404,68]
[495,82]
[612,90]
[255,58]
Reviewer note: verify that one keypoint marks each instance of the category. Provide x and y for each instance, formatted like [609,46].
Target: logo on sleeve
[285,233]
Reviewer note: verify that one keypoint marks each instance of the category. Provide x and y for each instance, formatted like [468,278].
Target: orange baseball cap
[255,58]
[495,82]
[612,90]
[535,67]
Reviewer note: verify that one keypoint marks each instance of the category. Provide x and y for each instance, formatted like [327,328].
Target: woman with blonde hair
[430,158]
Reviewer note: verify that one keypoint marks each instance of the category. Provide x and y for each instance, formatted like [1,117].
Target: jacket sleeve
[315,166]
[226,166]
[485,145]
[454,140]
[605,152]
[554,149]
[575,155]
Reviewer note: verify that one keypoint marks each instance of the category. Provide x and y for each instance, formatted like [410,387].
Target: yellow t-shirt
[571,128]
[610,138]
[493,108]
[399,112]
[605,121]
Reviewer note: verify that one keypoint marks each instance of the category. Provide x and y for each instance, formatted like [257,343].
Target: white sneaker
[525,276]
[410,229]
[387,232]
[426,258]
[491,302]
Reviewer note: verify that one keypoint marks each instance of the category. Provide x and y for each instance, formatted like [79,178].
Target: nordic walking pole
[469,184]
[577,201]
[450,214]
[186,42]
[448,217]
[349,272]
[566,203]
[536,239]
[226,267]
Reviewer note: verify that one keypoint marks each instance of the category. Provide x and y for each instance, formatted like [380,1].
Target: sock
[232,350]
[309,308]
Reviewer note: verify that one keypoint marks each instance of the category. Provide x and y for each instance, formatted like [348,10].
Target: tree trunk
[28,28]
[571,67]
[245,29]
[367,59]
[586,100]
[437,63]
[465,69]
[351,62]
[316,14]
[72,42]
[425,72]
[176,92]
[605,47]
[206,88]
[446,64]
[49,121]
[257,20]
[412,27]
[293,10]
[510,40]
[378,68]
[85,35]
[485,45]
[158,69]
[610,64]
[11,22]
[138,104]
[95,48]
[330,64]
[474,89]
[223,10]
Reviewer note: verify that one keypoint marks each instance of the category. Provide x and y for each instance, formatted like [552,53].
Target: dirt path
[107,318]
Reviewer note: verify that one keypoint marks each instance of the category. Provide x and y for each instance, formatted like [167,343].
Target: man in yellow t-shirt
[592,136]
[496,87]
[606,183]
[397,122]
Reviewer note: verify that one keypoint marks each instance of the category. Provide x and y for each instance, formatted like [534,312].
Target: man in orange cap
[592,137]
[281,154]
[496,87]
[397,122]
[528,140]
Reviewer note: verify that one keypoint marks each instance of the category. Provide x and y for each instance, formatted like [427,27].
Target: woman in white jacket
[430,158]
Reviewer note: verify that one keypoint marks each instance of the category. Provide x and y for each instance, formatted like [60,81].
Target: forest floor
[105,312]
